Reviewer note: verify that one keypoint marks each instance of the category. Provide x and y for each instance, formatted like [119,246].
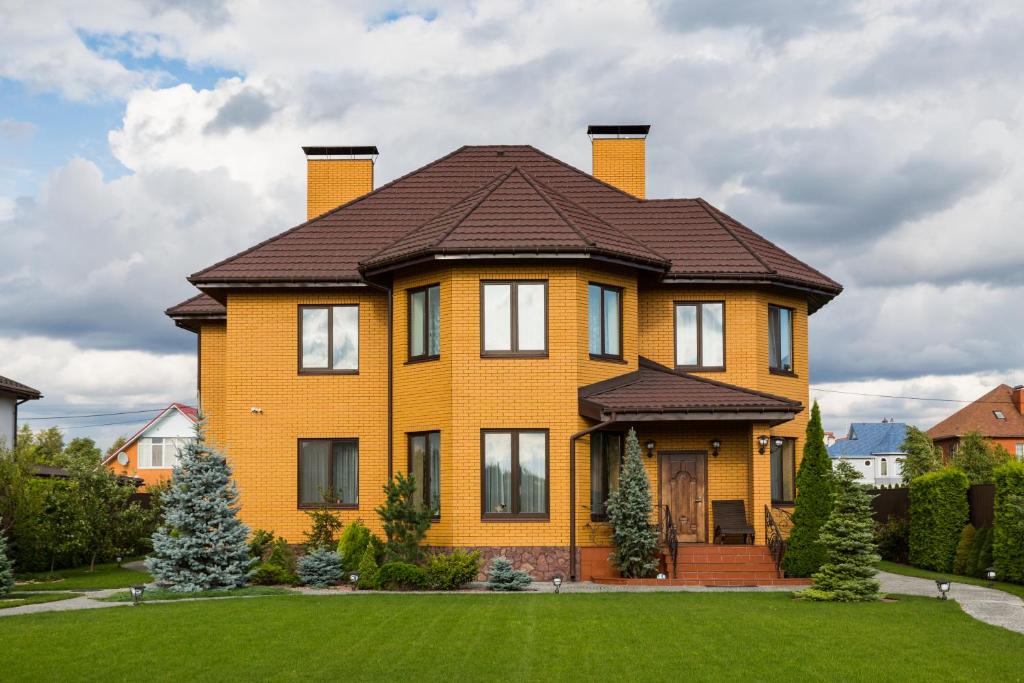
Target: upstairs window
[514,318]
[780,339]
[605,464]
[605,321]
[159,452]
[425,468]
[700,335]
[999,414]
[425,323]
[329,339]
[515,474]
[783,464]
[329,473]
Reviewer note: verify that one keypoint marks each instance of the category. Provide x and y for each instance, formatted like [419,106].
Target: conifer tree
[848,574]
[202,544]
[922,455]
[629,513]
[6,568]
[813,504]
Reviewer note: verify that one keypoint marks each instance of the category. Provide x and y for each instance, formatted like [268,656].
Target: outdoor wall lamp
[778,442]
[353,578]
[557,581]
[137,592]
[650,448]
[762,443]
[715,445]
[943,586]
[990,574]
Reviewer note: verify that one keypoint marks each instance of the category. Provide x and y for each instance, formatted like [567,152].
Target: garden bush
[452,572]
[320,568]
[6,568]
[268,574]
[354,541]
[893,538]
[962,561]
[980,557]
[503,577]
[1008,527]
[938,512]
[368,570]
[401,576]
[260,542]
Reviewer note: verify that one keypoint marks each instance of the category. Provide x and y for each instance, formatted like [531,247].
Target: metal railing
[776,543]
[671,538]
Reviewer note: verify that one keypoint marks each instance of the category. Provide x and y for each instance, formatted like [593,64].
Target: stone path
[992,606]
[85,601]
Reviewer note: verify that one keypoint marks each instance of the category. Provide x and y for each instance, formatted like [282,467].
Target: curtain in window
[773,337]
[313,471]
[346,472]
[532,472]
[498,472]
[611,322]
[434,451]
[686,335]
[782,466]
[145,453]
[417,319]
[434,325]
[594,318]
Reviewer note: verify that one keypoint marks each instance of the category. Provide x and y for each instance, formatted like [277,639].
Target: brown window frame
[514,319]
[771,470]
[515,515]
[424,485]
[792,343]
[330,473]
[330,340]
[605,356]
[700,337]
[603,517]
[426,355]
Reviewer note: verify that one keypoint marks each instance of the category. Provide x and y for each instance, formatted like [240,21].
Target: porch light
[662,576]
[943,586]
[353,578]
[778,442]
[557,581]
[715,445]
[990,574]
[762,443]
[137,592]
[650,448]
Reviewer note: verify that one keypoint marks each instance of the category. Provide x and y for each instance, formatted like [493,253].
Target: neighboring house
[493,323]
[830,438]
[152,452]
[12,395]
[998,415]
[875,451]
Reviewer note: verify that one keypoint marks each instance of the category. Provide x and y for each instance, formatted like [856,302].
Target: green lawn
[158,594]
[907,570]
[105,576]
[18,599]
[538,637]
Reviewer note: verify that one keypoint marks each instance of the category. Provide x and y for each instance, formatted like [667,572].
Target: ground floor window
[605,463]
[329,472]
[1020,451]
[425,467]
[515,473]
[783,469]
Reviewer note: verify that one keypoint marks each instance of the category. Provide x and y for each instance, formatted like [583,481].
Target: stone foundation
[543,563]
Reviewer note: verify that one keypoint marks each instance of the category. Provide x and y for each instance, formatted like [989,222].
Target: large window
[425,468]
[700,335]
[605,463]
[329,339]
[425,323]
[329,473]
[515,473]
[783,469]
[605,321]
[514,318]
[160,452]
[780,339]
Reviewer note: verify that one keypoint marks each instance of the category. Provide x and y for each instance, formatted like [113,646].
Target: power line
[101,424]
[905,398]
[61,417]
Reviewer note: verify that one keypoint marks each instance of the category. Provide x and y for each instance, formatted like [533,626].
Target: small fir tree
[922,455]
[813,504]
[323,525]
[353,544]
[629,513]
[405,520]
[962,559]
[848,574]
[6,568]
[202,544]
[979,457]
[368,570]
[321,568]
[503,577]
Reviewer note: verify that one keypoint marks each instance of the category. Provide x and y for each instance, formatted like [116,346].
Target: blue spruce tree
[6,569]
[202,544]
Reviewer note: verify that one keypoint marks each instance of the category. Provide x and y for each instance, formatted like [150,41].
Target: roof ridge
[584,173]
[743,243]
[653,365]
[496,182]
[308,221]
[542,191]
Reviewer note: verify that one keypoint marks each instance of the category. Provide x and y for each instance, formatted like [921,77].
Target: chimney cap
[619,129]
[365,150]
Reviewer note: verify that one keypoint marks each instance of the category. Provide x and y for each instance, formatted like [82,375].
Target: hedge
[1008,526]
[938,513]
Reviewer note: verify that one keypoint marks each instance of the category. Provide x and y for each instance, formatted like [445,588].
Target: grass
[19,599]
[104,576]
[159,594]
[470,637]
[907,570]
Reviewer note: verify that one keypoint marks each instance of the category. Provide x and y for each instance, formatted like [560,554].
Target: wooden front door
[684,491]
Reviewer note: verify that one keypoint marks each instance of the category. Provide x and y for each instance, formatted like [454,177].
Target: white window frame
[145,451]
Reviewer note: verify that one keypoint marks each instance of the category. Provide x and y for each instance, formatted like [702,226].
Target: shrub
[979,457]
[629,512]
[405,520]
[268,574]
[922,454]
[261,541]
[401,576]
[813,504]
[368,570]
[502,577]
[892,539]
[6,568]
[962,561]
[324,524]
[283,556]
[938,512]
[353,544]
[983,558]
[1008,527]
[452,572]
[320,568]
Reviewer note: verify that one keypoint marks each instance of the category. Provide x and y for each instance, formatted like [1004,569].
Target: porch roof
[655,393]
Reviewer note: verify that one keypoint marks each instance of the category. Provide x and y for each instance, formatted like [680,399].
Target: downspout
[388,292]
[572,491]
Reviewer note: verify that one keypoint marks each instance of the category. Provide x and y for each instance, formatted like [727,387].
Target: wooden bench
[731,520]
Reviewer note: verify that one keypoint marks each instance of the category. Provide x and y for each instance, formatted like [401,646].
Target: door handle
[698,500]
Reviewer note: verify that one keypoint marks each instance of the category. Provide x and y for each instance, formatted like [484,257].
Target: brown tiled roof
[201,304]
[980,417]
[18,389]
[656,389]
[508,198]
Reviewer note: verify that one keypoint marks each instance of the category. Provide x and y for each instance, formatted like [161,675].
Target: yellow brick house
[493,323]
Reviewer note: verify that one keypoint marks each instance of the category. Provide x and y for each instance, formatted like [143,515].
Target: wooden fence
[981,499]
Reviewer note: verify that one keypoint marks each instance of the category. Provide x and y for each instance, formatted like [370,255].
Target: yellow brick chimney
[337,175]
[620,156]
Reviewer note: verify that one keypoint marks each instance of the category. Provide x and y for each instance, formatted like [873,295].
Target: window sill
[782,373]
[329,507]
[528,355]
[698,368]
[508,517]
[608,359]
[421,359]
[328,372]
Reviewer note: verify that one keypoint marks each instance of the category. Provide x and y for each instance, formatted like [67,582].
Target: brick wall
[621,162]
[333,182]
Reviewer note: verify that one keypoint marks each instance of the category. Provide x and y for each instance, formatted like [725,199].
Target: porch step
[721,583]
[726,565]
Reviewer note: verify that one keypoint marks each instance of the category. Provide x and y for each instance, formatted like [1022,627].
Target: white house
[875,451]
[12,395]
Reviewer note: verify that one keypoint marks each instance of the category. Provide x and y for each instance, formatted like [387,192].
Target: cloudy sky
[880,141]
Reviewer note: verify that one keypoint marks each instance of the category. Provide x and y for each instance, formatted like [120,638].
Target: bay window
[780,340]
[513,318]
[605,321]
[425,323]
[700,335]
